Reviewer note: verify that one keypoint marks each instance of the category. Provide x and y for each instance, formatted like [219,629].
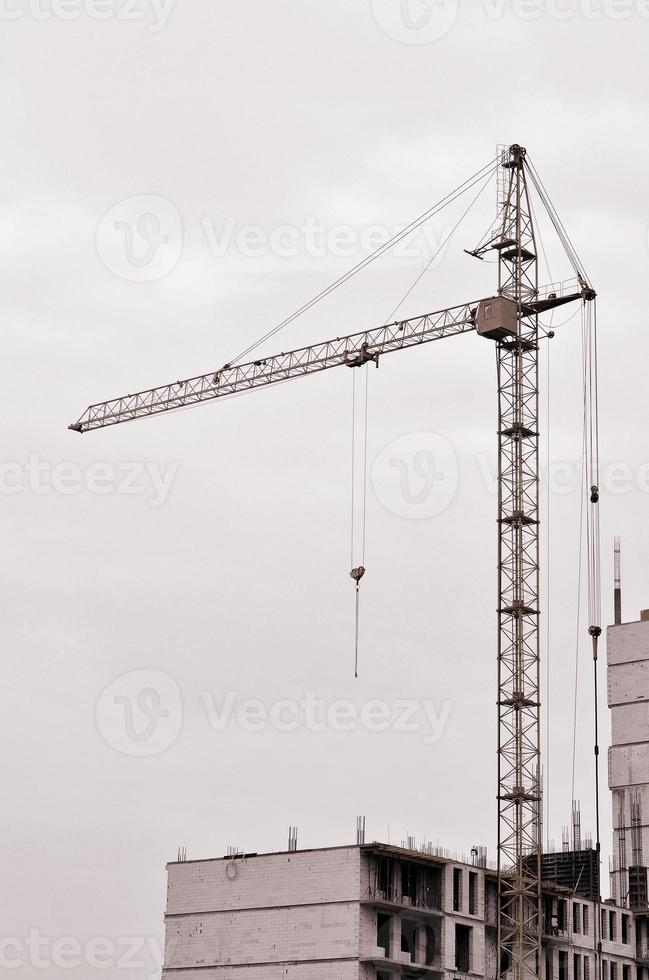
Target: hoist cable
[554,217]
[367,395]
[591,501]
[548,645]
[557,326]
[358,600]
[580,560]
[595,549]
[442,246]
[556,221]
[381,250]
[363,455]
[357,573]
[353,466]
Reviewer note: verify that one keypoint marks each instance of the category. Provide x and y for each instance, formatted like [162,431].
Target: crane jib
[351,351]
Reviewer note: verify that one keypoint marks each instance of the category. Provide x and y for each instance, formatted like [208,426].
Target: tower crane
[510,319]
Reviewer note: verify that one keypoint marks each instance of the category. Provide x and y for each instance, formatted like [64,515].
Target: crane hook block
[357,574]
[594,495]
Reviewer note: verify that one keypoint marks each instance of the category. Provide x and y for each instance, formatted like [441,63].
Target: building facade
[628,763]
[369,912]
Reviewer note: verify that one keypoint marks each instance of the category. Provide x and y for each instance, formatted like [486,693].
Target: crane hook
[357,575]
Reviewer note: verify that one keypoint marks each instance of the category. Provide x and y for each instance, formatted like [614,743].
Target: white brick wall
[627,643]
[630,723]
[293,916]
[628,698]
[287,971]
[628,683]
[307,877]
[294,933]
[628,765]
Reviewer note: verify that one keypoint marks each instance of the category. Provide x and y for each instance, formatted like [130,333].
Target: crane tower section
[519,797]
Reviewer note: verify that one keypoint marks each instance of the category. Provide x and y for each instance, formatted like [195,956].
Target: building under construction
[376,912]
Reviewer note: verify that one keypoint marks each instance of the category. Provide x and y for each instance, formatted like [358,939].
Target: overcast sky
[176,179]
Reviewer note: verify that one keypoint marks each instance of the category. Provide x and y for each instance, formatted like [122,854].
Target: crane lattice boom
[353,350]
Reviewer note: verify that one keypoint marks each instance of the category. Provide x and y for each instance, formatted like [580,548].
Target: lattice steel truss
[353,350]
[519,801]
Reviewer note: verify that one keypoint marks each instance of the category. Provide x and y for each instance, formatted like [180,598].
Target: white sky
[234,576]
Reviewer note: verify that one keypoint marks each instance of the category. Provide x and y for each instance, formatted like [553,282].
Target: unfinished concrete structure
[368,912]
[628,771]
[377,912]
[628,766]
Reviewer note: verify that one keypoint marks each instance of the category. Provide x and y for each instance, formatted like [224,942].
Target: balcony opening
[576,967]
[549,965]
[408,938]
[408,880]
[563,965]
[383,932]
[463,938]
[576,917]
[429,943]
[430,888]
[625,929]
[457,889]
[421,886]
[548,914]
[473,893]
[384,878]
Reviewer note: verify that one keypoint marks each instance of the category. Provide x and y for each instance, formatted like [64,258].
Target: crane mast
[519,797]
